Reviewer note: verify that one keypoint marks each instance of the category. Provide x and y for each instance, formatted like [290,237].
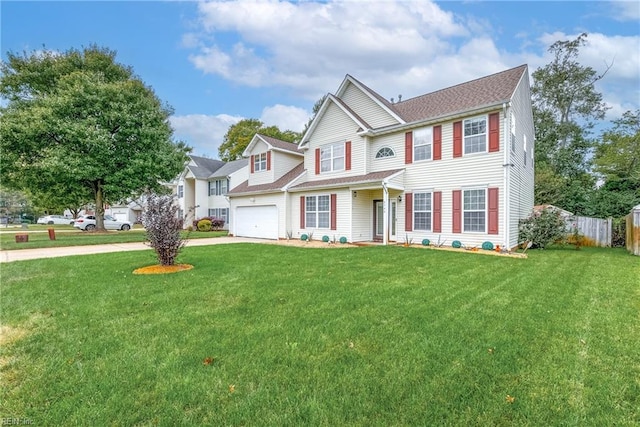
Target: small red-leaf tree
[161,220]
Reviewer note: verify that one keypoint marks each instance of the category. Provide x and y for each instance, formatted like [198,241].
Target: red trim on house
[437,142]
[494,132]
[493,211]
[347,155]
[333,211]
[302,206]
[457,139]
[437,211]
[251,163]
[317,161]
[268,160]
[408,211]
[457,212]
[408,148]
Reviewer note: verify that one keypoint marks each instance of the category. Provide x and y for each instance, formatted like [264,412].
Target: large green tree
[617,162]
[565,108]
[240,135]
[81,123]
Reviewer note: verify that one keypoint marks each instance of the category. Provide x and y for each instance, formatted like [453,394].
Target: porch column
[385,214]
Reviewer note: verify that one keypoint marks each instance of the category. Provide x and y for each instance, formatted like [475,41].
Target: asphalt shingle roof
[270,187]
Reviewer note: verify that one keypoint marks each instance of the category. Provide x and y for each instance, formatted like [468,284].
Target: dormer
[270,158]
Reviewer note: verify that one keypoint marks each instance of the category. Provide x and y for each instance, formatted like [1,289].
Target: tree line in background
[78,127]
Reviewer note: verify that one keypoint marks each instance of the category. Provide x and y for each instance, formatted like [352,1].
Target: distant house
[203,185]
[455,164]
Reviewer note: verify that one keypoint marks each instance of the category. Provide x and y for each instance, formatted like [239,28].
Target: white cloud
[285,117]
[203,133]
[628,10]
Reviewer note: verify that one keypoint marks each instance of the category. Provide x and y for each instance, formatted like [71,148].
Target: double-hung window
[260,162]
[317,211]
[422,144]
[180,191]
[219,187]
[222,213]
[332,157]
[422,211]
[475,135]
[474,210]
[513,133]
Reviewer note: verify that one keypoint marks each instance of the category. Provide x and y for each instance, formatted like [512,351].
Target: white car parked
[55,219]
[88,223]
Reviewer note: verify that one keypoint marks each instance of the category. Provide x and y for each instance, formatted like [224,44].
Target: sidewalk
[28,254]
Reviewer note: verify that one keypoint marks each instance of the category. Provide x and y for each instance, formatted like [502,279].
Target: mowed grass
[281,336]
[68,236]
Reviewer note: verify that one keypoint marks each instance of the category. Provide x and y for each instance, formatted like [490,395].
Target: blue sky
[218,62]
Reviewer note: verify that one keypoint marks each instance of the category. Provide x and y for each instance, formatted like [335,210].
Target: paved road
[26,254]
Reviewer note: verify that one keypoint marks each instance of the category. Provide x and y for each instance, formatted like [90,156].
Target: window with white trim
[513,132]
[219,187]
[260,162]
[180,191]
[317,211]
[525,150]
[222,213]
[474,210]
[385,152]
[422,211]
[422,143]
[475,135]
[332,157]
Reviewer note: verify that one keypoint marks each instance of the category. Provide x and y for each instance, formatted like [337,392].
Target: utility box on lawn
[22,238]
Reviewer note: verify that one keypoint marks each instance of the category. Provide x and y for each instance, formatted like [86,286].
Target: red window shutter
[333,211]
[457,211]
[347,155]
[494,132]
[408,212]
[302,205]
[437,142]
[408,148]
[457,139]
[268,160]
[317,161]
[493,211]
[251,163]
[437,211]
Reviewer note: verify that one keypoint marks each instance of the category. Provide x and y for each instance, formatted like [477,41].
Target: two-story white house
[203,185]
[455,164]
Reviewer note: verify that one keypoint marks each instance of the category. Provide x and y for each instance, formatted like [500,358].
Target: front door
[378,219]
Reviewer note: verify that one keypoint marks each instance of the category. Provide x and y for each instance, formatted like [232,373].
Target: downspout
[507,174]
[385,216]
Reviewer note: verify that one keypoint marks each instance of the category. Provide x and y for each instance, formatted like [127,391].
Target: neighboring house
[455,164]
[203,186]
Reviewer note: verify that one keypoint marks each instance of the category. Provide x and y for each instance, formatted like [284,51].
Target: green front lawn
[68,237]
[276,336]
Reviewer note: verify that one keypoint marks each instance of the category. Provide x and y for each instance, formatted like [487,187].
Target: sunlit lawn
[274,335]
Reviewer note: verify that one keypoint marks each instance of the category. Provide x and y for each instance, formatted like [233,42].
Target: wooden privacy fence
[595,231]
[633,231]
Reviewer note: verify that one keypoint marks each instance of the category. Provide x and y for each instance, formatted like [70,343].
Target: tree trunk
[99,206]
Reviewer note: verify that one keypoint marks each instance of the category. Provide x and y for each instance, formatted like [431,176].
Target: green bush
[542,228]
[204,225]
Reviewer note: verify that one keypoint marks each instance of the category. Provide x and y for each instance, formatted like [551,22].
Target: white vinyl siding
[366,108]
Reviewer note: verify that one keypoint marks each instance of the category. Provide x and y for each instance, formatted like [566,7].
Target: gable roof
[485,91]
[229,168]
[274,144]
[203,167]
[279,185]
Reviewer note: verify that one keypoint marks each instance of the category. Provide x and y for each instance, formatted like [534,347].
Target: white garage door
[257,221]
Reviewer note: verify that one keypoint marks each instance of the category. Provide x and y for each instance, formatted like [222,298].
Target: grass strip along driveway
[273,335]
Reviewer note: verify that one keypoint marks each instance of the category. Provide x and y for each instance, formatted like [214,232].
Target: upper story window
[260,162]
[385,152]
[422,211]
[474,210]
[513,133]
[422,144]
[219,187]
[475,135]
[180,191]
[332,157]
